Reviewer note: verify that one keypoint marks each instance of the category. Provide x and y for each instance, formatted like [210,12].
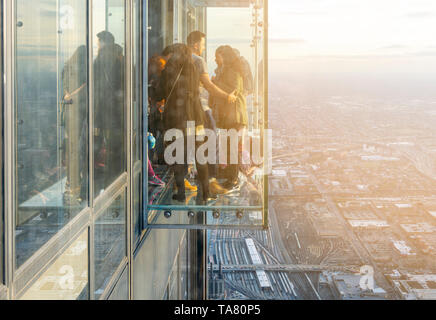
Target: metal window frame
[123,184]
[41,261]
[86,219]
[137,169]
[129,134]
[2,260]
[17,281]
[125,261]
[265,109]
[91,241]
[9,150]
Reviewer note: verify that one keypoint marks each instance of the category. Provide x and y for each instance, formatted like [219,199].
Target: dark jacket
[181,95]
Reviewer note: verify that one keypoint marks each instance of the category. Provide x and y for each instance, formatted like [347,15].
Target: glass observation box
[208,155]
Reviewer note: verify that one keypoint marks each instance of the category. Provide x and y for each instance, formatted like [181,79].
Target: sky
[229,26]
[385,36]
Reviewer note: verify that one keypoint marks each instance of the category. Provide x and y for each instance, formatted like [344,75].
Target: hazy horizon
[330,36]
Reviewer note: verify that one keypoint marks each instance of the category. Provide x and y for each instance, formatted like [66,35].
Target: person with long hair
[230,115]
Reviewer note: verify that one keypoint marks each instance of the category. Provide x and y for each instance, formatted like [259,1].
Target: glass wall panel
[110,243]
[137,119]
[109,92]
[160,21]
[66,278]
[212,161]
[51,119]
[1,152]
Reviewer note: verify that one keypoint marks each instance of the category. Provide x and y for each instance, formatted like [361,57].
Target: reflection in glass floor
[241,206]
[247,194]
[41,217]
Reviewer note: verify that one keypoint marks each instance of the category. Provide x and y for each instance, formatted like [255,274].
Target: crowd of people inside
[181,91]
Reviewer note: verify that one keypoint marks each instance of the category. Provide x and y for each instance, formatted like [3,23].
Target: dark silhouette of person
[179,86]
[109,146]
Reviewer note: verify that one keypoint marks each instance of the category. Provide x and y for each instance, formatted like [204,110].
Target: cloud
[302,13]
[287,41]
[221,41]
[427,53]
[420,14]
[394,46]
[362,57]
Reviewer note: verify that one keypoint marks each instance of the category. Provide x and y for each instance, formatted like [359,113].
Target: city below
[352,204]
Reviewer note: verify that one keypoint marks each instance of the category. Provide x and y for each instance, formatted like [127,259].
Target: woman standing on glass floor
[229,77]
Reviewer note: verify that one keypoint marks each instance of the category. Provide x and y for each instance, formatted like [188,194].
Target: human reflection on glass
[51,119]
[74,106]
[109,146]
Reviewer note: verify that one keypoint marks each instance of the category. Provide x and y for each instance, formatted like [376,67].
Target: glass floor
[240,207]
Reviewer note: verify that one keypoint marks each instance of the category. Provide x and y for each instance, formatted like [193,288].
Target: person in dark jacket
[179,86]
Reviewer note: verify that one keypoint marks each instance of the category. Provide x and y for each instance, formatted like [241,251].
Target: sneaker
[156,181]
[216,188]
[189,186]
